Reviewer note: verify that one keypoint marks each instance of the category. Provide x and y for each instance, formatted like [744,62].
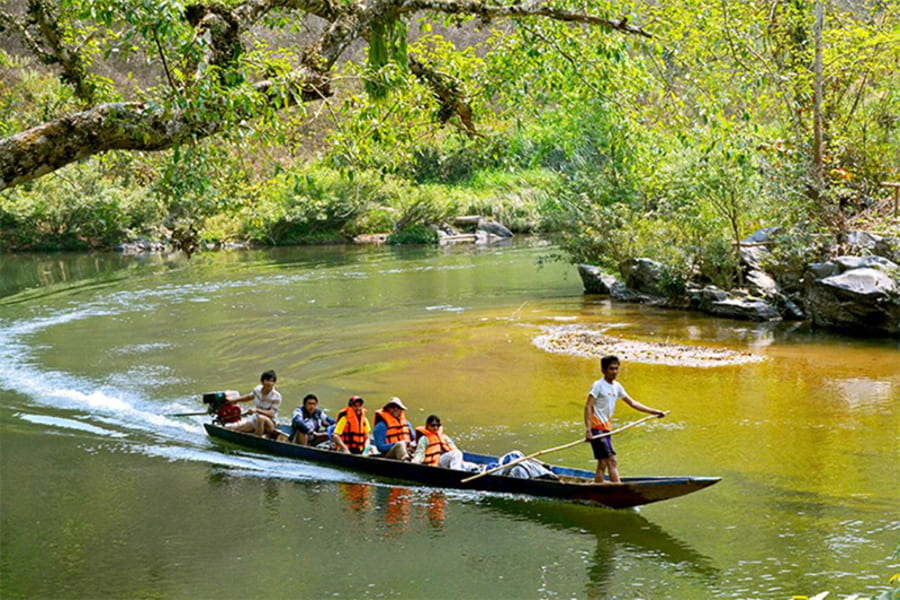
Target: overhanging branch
[142,126]
[130,126]
[492,11]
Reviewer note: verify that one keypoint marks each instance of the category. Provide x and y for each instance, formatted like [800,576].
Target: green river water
[104,496]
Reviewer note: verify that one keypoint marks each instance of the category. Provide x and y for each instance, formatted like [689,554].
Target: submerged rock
[746,308]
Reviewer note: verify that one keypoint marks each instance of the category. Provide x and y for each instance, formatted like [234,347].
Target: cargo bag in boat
[528,469]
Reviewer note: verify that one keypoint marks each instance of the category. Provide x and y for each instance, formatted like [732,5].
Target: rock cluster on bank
[858,293]
[477,229]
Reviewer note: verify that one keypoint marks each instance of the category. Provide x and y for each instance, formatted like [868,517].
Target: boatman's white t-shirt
[605,395]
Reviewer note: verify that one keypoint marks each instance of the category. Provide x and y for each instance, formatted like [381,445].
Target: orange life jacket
[437,444]
[354,435]
[397,429]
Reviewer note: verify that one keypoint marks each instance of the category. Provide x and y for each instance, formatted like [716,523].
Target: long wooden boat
[574,484]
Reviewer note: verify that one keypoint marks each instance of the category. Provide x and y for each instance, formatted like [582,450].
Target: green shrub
[307,206]
[716,261]
[78,213]
[221,228]
[376,219]
[423,205]
[414,233]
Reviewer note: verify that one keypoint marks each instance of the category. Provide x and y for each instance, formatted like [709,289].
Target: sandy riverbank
[579,341]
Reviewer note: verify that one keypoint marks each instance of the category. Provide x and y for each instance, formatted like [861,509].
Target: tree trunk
[818,152]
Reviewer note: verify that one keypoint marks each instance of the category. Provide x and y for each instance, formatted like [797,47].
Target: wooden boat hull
[577,485]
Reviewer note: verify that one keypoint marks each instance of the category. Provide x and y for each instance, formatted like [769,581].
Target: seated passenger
[261,418]
[393,433]
[309,425]
[351,432]
[436,449]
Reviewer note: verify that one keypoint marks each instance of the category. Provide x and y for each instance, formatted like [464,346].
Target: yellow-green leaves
[387,57]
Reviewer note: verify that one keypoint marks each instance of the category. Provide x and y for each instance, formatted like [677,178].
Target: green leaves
[387,57]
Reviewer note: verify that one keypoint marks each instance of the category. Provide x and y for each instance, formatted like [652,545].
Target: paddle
[563,447]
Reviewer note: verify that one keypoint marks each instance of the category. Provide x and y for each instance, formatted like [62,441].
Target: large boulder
[860,295]
[789,310]
[720,303]
[756,247]
[849,263]
[494,228]
[762,236]
[747,308]
[483,237]
[866,242]
[703,298]
[760,283]
[595,281]
[861,241]
[643,275]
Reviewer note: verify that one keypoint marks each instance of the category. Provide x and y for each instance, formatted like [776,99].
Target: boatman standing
[598,413]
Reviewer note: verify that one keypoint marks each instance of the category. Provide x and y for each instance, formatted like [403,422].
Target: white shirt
[270,401]
[605,395]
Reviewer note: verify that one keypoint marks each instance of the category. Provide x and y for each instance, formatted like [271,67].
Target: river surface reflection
[104,495]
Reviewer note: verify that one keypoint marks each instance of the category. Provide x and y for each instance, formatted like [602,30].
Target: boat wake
[106,417]
[64,403]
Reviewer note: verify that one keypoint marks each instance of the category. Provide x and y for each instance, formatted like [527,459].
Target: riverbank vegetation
[673,145]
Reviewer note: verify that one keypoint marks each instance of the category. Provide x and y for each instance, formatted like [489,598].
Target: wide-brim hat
[396,402]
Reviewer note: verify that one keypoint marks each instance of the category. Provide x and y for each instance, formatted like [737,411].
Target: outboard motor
[221,405]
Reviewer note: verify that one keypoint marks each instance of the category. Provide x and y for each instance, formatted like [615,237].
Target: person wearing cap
[310,423]
[435,448]
[351,432]
[393,433]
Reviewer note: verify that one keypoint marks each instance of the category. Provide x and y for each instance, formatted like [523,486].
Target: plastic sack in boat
[527,469]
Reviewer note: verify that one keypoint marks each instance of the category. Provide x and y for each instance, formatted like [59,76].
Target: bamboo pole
[563,447]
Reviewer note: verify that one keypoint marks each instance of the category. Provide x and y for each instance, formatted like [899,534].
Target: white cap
[397,401]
